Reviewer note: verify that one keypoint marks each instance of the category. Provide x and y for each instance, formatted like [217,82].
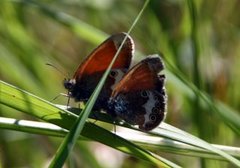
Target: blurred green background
[202,43]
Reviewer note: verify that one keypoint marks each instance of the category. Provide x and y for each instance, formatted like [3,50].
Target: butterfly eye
[153,117]
[113,74]
[144,93]
[69,83]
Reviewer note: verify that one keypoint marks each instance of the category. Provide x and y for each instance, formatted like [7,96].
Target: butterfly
[140,98]
[136,96]
[90,71]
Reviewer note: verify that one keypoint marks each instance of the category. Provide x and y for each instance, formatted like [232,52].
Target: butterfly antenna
[66,75]
[55,98]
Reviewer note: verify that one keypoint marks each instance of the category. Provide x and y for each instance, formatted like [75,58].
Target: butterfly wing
[100,58]
[89,73]
[140,98]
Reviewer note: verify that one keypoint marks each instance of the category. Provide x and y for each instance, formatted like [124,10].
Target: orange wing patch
[100,58]
[143,75]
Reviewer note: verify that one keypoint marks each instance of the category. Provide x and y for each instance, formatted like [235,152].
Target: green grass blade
[23,101]
[176,134]
[177,147]
[187,138]
[42,109]
[227,114]
[77,26]
[151,142]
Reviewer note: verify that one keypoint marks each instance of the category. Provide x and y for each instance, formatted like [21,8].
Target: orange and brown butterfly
[90,71]
[140,97]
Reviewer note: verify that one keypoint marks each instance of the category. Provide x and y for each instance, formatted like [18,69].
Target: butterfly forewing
[100,58]
[89,73]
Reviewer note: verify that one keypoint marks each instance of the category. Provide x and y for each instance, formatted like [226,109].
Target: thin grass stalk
[198,114]
[71,138]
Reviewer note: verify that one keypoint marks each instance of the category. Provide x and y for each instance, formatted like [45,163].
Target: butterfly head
[69,84]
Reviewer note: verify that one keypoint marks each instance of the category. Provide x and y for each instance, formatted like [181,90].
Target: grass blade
[150,142]
[23,101]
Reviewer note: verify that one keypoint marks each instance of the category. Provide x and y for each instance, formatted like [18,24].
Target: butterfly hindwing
[140,98]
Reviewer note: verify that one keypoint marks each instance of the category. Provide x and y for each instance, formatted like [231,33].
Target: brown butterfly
[140,98]
[89,73]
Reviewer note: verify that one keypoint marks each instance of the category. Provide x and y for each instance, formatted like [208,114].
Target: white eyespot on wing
[149,105]
[119,75]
